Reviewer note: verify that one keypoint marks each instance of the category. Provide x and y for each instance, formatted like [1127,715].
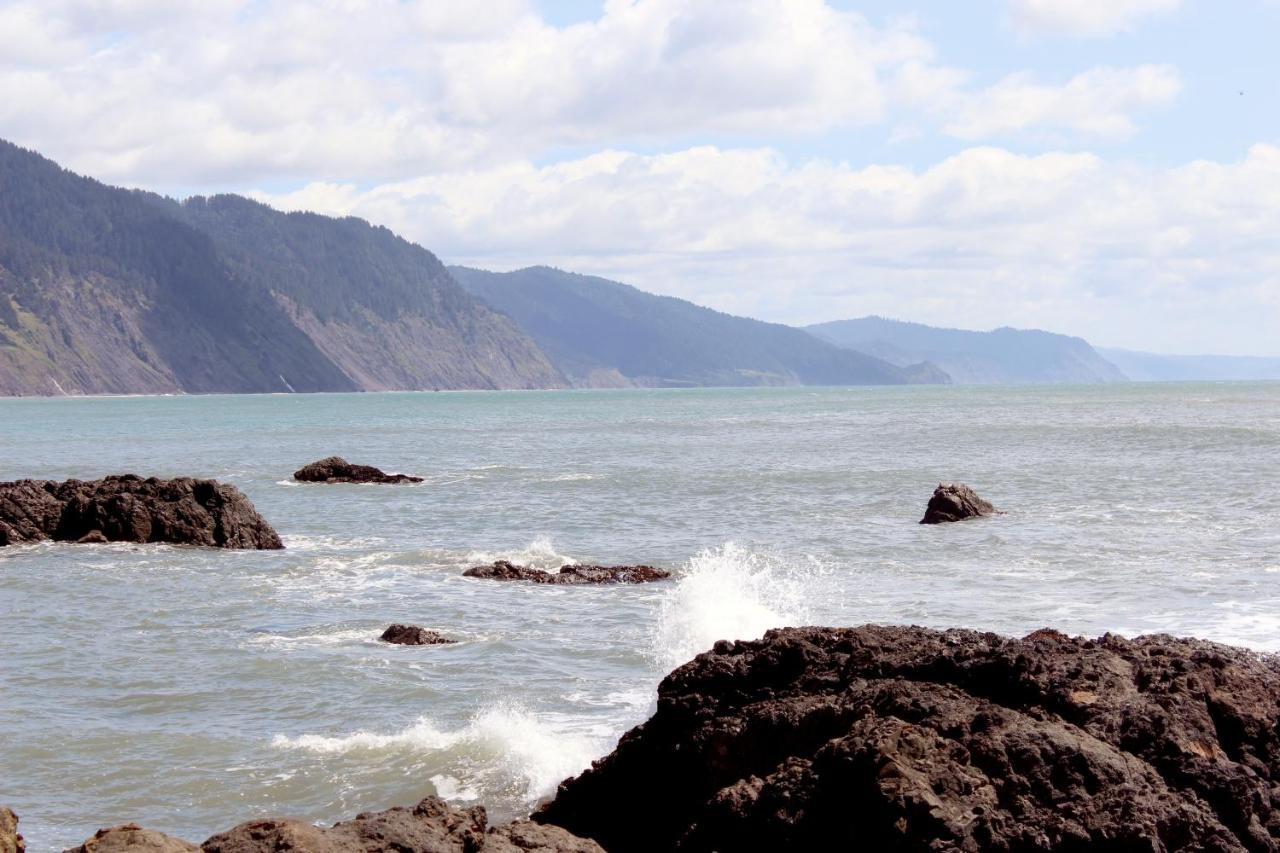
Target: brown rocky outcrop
[335,469]
[432,826]
[956,502]
[131,838]
[503,570]
[127,508]
[10,840]
[412,635]
[896,739]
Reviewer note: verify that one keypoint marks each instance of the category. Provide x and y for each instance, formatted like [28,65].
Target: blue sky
[1086,166]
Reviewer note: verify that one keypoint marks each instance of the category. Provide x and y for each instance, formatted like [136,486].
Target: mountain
[105,290]
[1001,356]
[601,333]
[1150,367]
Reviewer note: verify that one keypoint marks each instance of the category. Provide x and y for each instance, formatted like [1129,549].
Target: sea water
[190,689]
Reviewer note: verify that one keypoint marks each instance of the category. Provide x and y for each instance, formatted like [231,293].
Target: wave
[540,554]
[729,593]
[503,748]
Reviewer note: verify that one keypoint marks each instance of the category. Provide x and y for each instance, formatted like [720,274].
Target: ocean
[190,689]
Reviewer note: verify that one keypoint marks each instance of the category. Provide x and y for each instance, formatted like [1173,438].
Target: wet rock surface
[892,739]
[432,826]
[127,508]
[131,838]
[10,840]
[506,571]
[412,635]
[335,469]
[956,502]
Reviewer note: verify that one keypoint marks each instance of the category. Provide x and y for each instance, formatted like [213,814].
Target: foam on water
[729,593]
[540,554]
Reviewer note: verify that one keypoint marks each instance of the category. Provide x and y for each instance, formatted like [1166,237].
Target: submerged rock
[432,826]
[412,635]
[127,508]
[956,502]
[335,469]
[10,840]
[131,838]
[503,570]
[898,739]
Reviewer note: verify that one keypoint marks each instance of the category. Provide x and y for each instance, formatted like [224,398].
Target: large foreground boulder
[956,502]
[432,826]
[895,739]
[335,469]
[506,571]
[127,508]
[131,838]
[10,840]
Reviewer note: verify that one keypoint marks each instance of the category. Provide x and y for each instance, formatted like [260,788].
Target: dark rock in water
[10,840]
[956,502]
[132,838]
[93,537]
[432,826]
[412,635]
[506,571]
[897,739]
[127,508]
[335,469]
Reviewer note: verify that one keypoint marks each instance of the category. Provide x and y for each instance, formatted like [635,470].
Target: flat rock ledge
[335,469]
[127,508]
[568,575]
[432,826]
[412,635]
[908,739]
[956,502]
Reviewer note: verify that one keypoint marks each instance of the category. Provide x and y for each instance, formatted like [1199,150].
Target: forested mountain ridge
[602,333]
[1000,356]
[105,290]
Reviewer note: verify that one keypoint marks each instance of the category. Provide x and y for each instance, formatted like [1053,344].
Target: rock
[335,469]
[10,840]
[132,838]
[412,635]
[899,739]
[432,826]
[956,502]
[505,571]
[127,508]
[93,537]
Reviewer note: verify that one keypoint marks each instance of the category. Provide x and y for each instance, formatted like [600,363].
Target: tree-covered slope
[104,290]
[1001,356]
[601,332]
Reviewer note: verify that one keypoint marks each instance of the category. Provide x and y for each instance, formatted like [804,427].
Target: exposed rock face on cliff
[895,739]
[127,508]
[568,575]
[412,635]
[432,826]
[112,291]
[956,502]
[335,469]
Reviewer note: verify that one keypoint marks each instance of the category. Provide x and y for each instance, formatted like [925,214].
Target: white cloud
[1166,258]
[1084,18]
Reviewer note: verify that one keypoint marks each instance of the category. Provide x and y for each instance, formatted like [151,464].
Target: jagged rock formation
[127,508]
[956,502]
[432,826]
[412,635]
[335,469]
[601,333]
[111,291]
[131,838]
[10,840]
[503,570]
[897,739]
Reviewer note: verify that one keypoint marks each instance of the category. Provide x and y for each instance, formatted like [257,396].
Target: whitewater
[190,689]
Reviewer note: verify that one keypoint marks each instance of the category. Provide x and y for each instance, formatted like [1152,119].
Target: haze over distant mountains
[601,333]
[1001,356]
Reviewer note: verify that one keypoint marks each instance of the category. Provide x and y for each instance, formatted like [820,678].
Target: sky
[1104,168]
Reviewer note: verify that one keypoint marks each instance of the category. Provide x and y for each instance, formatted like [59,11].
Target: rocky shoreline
[893,739]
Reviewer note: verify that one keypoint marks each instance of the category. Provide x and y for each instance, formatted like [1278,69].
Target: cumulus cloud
[1084,18]
[1059,240]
